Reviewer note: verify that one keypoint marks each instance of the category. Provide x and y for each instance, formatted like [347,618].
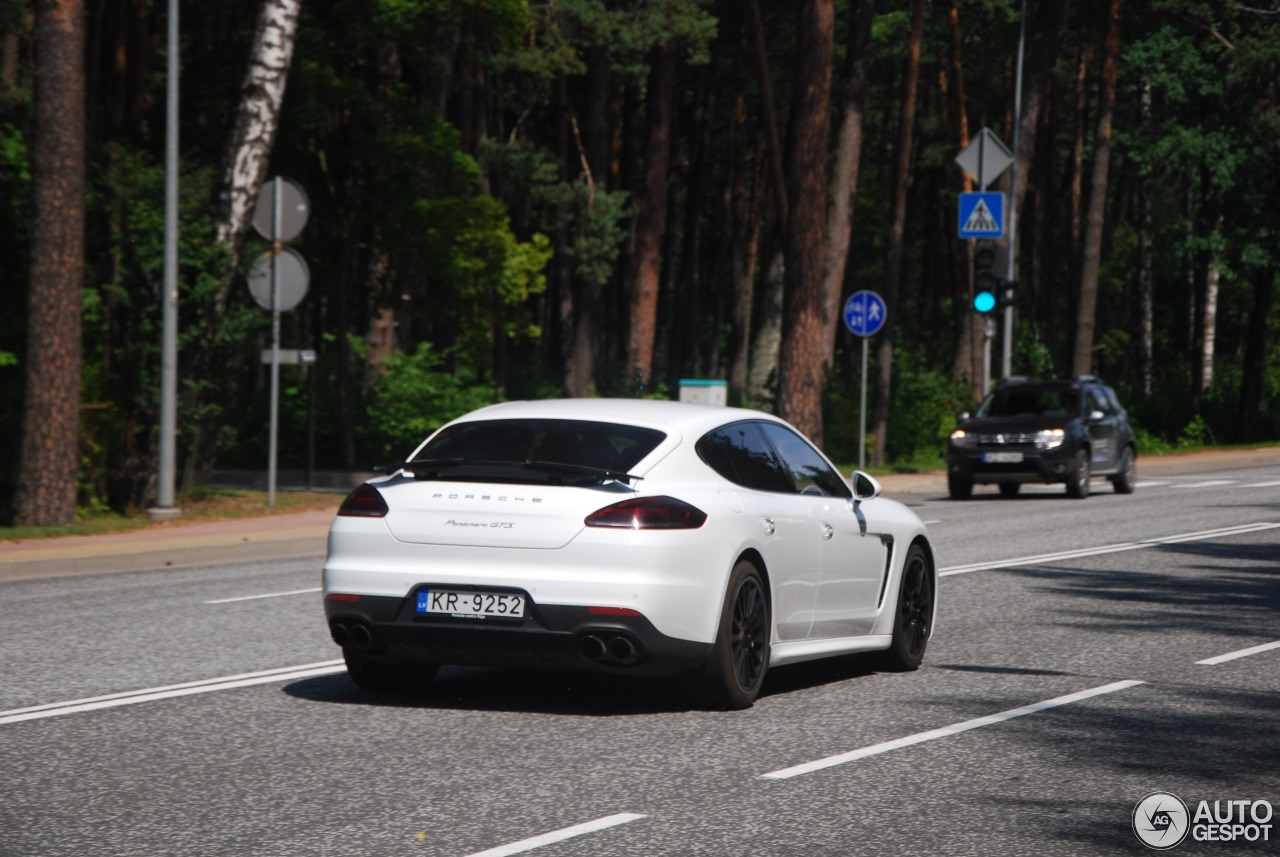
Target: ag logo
[1161,821]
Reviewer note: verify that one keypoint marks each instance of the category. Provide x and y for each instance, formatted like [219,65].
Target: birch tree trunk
[1086,316]
[257,119]
[51,417]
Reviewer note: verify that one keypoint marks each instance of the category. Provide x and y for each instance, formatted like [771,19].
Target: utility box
[704,392]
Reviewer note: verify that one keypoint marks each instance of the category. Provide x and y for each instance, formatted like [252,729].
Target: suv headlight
[1050,438]
[959,438]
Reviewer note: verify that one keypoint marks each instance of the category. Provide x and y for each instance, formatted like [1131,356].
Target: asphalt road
[1066,681]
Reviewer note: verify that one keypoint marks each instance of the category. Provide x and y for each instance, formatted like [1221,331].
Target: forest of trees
[538,198]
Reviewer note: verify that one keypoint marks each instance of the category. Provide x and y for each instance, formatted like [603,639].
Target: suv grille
[1006,439]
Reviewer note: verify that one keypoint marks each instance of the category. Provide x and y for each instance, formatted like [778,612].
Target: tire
[1010,489]
[959,488]
[914,616]
[1078,479]
[1127,479]
[381,677]
[734,673]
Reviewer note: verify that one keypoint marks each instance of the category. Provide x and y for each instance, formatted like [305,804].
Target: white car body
[832,565]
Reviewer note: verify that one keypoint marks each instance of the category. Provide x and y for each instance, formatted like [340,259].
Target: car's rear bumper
[549,636]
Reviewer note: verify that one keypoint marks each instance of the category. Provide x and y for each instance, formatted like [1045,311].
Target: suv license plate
[461,604]
[1002,457]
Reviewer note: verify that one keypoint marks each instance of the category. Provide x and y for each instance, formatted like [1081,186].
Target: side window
[740,454]
[808,470]
[1096,401]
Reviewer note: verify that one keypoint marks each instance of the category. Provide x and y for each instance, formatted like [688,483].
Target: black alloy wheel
[959,488]
[736,668]
[913,622]
[1078,479]
[1127,479]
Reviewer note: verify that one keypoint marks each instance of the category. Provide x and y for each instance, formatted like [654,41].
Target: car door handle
[827,531]
[769,526]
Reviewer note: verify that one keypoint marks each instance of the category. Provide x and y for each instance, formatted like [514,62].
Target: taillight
[364,502]
[649,513]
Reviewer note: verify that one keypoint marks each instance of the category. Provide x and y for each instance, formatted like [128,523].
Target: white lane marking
[1263,485]
[1150,483]
[560,835]
[1212,483]
[268,595]
[947,731]
[113,700]
[1127,546]
[1241,653]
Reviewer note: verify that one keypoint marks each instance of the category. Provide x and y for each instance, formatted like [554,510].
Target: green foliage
[413,394]
[122,324]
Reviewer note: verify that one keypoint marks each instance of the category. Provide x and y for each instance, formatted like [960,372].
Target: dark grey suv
[1043,431]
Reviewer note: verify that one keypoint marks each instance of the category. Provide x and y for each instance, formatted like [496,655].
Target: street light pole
[1006,368]
[165,509]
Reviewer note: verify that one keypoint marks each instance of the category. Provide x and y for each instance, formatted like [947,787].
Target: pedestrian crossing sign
[981,215]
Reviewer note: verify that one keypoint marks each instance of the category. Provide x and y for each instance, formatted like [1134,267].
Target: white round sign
[294,276]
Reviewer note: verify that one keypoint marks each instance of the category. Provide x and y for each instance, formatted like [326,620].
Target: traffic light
[986,283]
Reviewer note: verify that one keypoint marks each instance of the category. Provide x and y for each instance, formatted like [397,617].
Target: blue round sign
[864,313]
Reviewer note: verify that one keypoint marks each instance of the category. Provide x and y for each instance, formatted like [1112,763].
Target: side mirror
[962,416]
[864,487]
[1094,416]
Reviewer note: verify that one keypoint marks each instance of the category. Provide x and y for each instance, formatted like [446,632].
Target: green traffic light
[984,302]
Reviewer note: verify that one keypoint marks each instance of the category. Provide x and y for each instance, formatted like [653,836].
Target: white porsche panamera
[625,536]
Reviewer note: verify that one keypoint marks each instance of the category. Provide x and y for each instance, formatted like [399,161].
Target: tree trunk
[844,182]
[1253,383]
[800,367]
[1086,316]
[1208,331]
[1146,265]
[879,422]
[651,220]
[257,118]
[768,114]
[1042,53]
[972,326]
[51,417]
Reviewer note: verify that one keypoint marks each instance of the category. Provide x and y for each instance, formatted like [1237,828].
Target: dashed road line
[1040,559]
[560,835]
[266,595]
[1240,653]
[190,688]
[947,731]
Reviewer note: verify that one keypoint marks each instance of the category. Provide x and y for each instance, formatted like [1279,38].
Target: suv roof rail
[1014,379]
[1088,379]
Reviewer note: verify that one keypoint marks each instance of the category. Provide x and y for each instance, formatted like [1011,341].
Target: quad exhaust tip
[609,648]
[357,635]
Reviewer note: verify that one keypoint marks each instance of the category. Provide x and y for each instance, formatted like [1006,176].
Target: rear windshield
[1032,400]
[535,451]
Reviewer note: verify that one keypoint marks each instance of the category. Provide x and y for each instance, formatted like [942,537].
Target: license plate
[1002,457]
[462,604]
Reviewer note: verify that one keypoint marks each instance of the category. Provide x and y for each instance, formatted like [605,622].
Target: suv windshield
[535,451]
[1032,400]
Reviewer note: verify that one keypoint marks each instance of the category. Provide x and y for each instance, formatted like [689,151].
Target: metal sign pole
[275,338]
[862,412]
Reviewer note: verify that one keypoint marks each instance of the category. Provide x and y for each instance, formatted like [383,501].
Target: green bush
[413,394]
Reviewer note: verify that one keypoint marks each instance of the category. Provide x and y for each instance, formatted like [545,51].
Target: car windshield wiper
[605,472]
[431,465]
